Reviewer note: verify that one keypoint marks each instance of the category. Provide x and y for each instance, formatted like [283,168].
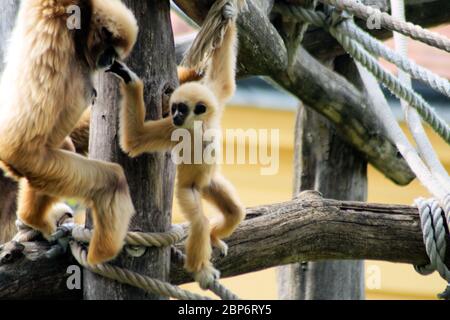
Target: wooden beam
[335,169]
[307,228]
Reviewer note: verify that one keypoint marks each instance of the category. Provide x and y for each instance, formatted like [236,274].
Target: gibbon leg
[221,193]
[198,245]
[34,208]
[102,185]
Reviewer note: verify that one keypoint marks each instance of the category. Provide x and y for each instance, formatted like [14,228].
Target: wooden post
[324,162]
[150,177]
[8,187]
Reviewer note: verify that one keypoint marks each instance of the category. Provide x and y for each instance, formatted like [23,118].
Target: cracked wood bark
[262,52]
[8,187]
[307,228]
[150,177]
[325,163]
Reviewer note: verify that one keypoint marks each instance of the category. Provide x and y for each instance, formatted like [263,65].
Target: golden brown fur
[194,180]
[44,90]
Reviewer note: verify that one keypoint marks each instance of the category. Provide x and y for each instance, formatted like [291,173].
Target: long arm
[221,73]
[137,135]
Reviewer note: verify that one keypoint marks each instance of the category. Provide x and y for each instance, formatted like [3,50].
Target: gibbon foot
[120,70]
[55,217]
[206,276]
[229,11]
[221,245]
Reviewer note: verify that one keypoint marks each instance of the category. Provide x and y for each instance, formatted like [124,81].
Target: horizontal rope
[134,279]
[145,239]
[388,22]
[163,239]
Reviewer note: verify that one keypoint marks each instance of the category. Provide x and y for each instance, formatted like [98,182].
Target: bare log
[312,229]
[307,228]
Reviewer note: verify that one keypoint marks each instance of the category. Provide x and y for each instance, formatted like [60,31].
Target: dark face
[106,58]
[181,112]
[104,51]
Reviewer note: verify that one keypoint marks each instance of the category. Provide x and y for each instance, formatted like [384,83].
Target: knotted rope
[221,15]
[433,220]
[73,235]
[122,275]
[134,279]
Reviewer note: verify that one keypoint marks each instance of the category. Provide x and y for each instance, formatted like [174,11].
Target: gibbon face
[113,33]
[192,102]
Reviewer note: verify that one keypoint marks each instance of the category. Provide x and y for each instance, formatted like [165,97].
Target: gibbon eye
[200,108]
[182,108]
[174,108]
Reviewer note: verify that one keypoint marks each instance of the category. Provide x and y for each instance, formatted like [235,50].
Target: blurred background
[258,105]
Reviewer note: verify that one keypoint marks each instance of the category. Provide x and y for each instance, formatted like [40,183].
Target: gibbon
[79,137]
[201,100]
[45,88]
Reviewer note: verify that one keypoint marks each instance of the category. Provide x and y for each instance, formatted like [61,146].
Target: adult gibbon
[44,90]
[203,101]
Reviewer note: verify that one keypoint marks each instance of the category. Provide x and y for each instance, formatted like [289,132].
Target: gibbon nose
[178,120]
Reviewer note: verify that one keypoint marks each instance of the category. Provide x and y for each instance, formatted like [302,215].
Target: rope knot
[336,16]
[435,231]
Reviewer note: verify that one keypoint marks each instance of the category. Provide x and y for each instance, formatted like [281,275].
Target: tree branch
[308,228]
[263,52]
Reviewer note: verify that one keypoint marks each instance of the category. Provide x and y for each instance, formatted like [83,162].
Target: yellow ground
[392,281]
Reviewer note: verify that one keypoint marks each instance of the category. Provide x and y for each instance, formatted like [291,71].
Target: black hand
[121,70]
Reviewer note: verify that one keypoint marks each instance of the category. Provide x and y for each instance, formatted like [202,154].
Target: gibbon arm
[137,135]
[188,75]
[221,73]
[80,135]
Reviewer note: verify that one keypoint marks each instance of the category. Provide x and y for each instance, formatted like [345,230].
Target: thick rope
[80,234]
[163,239]
[377,48]
[412,118]
[215,286]
[388,22]
[434,236]
[220,16]
[134,279]
[24,233]
[391,82]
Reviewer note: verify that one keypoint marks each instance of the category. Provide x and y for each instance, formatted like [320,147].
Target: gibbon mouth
[107,58]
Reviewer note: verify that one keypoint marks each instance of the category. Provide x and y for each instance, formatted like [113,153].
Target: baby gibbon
[203,101]
[45,88]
